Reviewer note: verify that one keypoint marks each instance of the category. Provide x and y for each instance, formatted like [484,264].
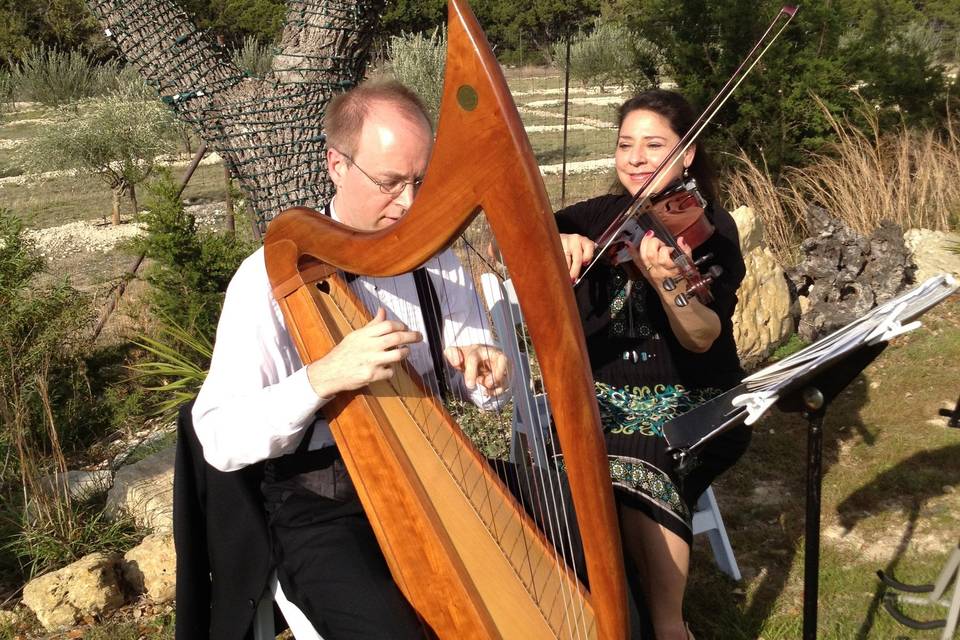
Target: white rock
[762,319]
[144,490]
[88,587]
[931,252]
[151,568]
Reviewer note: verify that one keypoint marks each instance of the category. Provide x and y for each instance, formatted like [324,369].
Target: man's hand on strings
[369,354]
[480,364]
[577,251]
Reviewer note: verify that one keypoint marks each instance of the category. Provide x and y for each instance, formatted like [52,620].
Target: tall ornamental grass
[54,77]
[253,58]
[908,176]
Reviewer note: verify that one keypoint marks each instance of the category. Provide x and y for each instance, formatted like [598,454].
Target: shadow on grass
[767,531]
[907,486]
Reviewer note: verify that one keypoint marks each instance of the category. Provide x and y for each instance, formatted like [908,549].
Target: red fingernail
[649,233]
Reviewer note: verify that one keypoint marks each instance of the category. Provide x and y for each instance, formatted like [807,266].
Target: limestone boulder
[144,490]
[80,485]
[87,588]
[933,252]
[762,320]
[844,273]
[150,568]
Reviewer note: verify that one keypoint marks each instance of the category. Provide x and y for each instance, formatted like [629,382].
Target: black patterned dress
[644,377]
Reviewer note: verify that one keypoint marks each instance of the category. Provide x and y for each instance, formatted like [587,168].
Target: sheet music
[884,322]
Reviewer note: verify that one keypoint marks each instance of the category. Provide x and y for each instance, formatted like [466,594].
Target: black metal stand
[812,400]
[811,559]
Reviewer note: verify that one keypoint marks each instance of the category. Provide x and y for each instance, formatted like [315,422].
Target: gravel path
[95,236]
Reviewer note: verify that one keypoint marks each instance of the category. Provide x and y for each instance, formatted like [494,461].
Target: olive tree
[117,138]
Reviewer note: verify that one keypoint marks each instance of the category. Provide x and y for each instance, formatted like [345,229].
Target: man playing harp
[260,402]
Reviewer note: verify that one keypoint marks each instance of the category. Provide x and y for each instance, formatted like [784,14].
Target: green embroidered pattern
[641,478]
[644,410]
[637,476]
[628,318]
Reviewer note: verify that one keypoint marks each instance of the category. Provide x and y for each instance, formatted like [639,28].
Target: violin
[678,210]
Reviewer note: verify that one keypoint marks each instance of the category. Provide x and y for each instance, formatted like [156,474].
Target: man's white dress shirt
[257,402]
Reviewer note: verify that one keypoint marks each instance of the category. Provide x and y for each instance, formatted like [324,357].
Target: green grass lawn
[890,501]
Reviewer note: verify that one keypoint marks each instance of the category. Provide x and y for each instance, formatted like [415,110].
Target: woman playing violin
[651,358]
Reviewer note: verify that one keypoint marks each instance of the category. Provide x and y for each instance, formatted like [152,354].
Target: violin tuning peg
[713,273]
[707,257]
[681,300]
[669,284]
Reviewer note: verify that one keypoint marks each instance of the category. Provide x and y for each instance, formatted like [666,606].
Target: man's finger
[471,366]
[454,356]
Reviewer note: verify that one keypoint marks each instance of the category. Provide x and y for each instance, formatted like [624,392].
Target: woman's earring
[686,173]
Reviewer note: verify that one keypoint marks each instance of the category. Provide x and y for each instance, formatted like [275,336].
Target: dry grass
[911,177]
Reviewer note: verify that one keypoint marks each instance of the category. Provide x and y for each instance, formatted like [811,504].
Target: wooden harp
[461,549]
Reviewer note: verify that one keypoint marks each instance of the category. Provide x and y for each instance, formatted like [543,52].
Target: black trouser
[327,557]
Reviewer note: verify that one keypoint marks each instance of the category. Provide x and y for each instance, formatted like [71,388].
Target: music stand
[806,381]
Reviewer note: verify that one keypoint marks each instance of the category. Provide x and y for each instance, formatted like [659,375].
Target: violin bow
[639,202]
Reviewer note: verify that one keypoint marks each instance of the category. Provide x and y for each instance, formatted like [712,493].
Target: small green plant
[54,77]
[417,60]
[253,58]
[791,346]
[178,367]
[56,531]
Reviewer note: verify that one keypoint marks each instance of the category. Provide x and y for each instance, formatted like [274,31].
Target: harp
[464,553]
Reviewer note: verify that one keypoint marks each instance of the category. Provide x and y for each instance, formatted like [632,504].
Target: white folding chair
[263,621]
[531,418]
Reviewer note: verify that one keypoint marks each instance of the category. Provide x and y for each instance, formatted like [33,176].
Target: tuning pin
[669,284]
[713,273]
[681,300]
[707,257]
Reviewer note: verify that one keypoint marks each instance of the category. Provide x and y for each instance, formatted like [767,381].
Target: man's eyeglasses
[391,187]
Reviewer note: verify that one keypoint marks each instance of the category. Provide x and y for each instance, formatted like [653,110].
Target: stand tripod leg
[952,615]
[948,573]
[811,560]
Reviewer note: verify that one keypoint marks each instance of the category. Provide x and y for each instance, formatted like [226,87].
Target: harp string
[544,486]
[552,509]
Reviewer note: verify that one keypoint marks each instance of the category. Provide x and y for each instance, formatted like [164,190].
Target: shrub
[54,77]
[6,89]
[116,138]
[417,60]
[611,54]
[44,396]
[253,58]
[191,269]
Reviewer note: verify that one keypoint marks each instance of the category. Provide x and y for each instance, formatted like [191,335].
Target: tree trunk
[132,193]
[115,218]
[228,198]
[269,129]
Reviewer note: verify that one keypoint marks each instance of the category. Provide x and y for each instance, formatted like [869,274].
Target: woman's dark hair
[677,111]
